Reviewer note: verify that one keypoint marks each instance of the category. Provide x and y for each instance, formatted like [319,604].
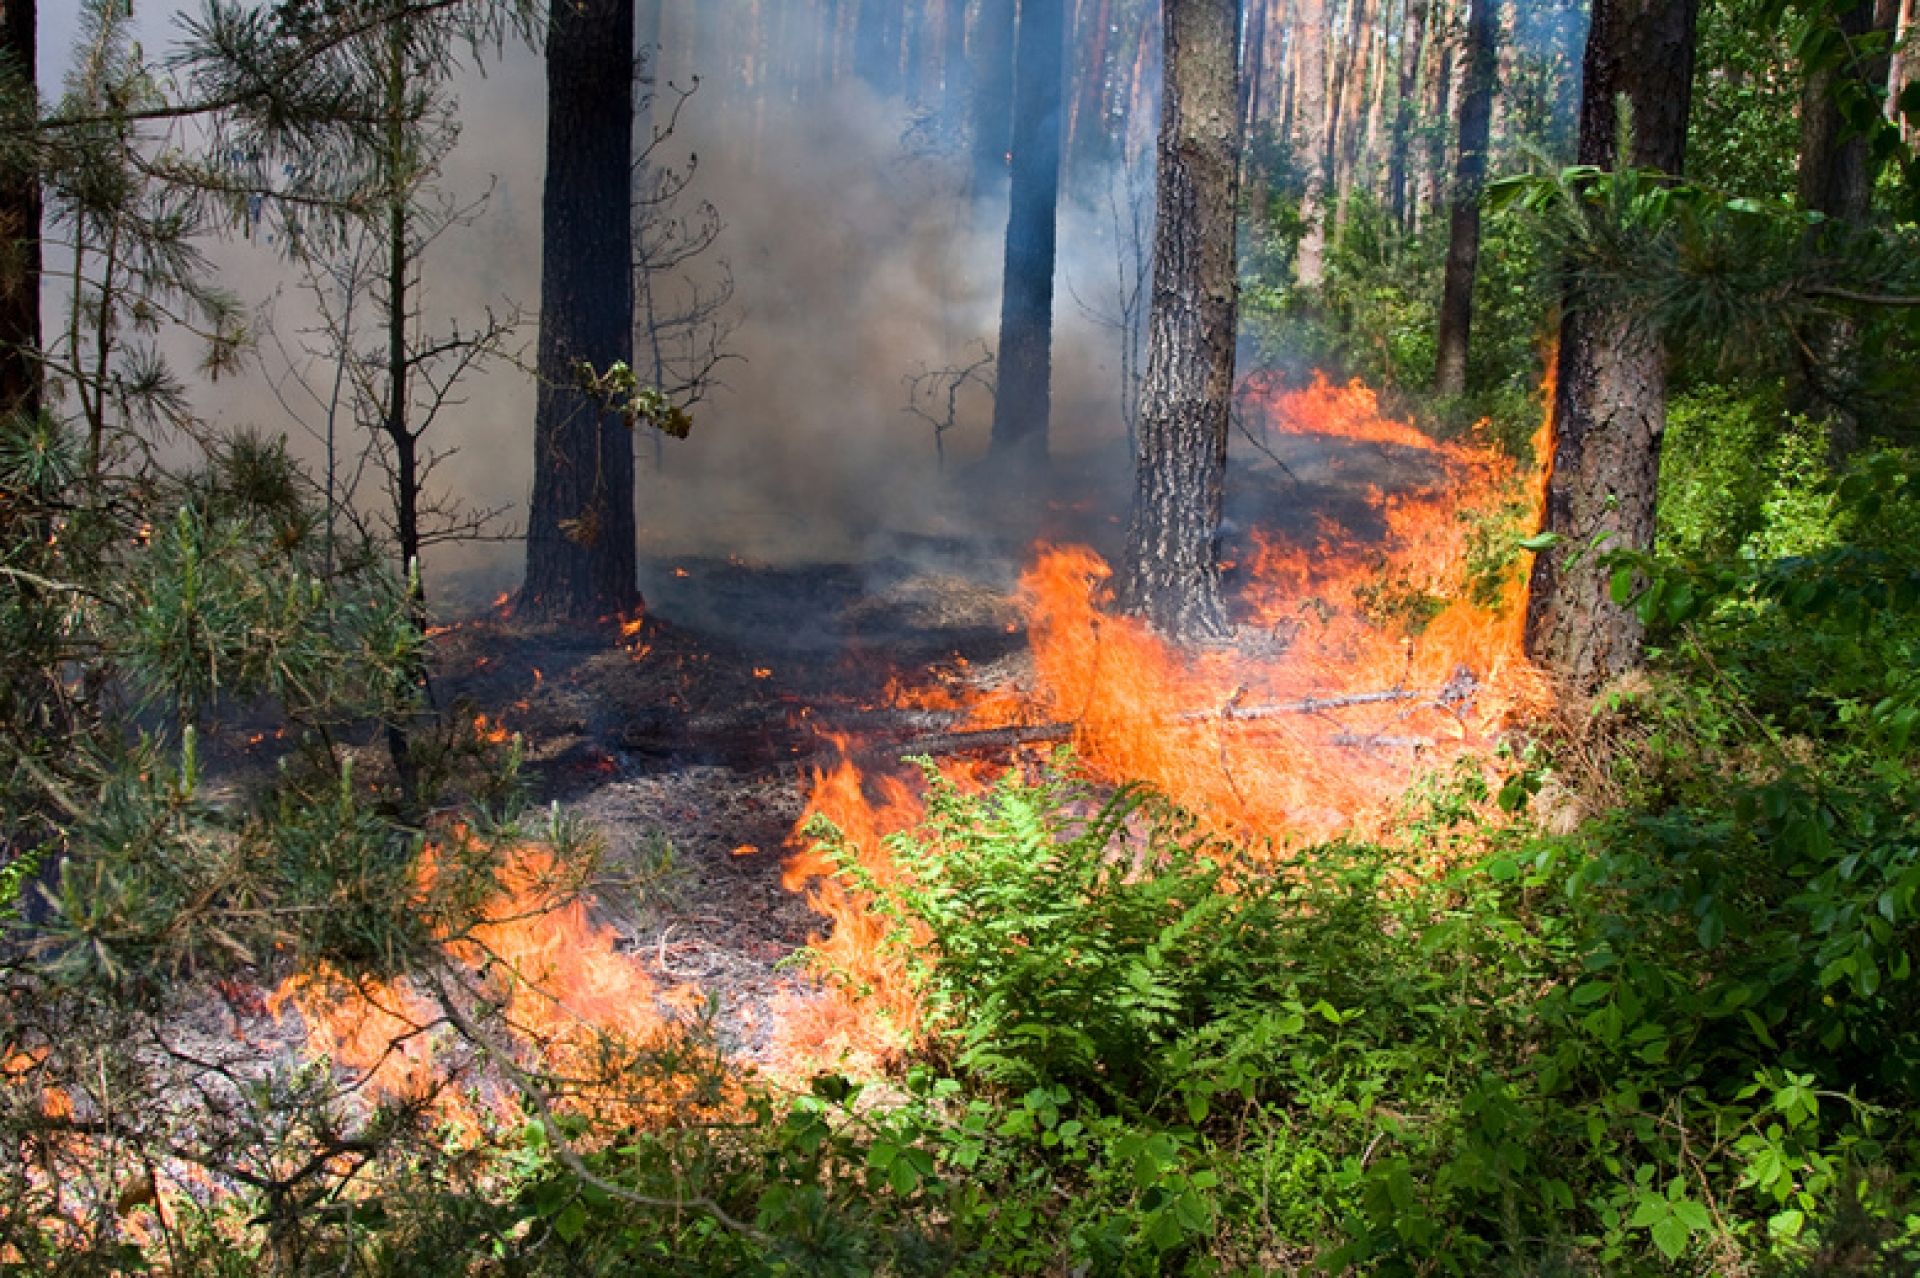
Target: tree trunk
[956,78]
[1311,126]
[1344,154]
[1610,402]
[1253,74]
[1414,39]
[876,48]
[1836,179]
[992,95]
[1900,72]
[1022,400]
[1469,176]
[19,239]
[1090,141]
[1440,29]
[1171,576]
[580,528]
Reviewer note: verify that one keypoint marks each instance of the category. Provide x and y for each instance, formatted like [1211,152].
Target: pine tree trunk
[1469,176]
[19,240]
[1439,108]
[1090,144]
[1171,575]
[1414,39]
[1345,152]
[1253,74]
[580,530]
[956,78]
[1023,397]
[1610,402]
[1836,179]
[992,95]
[1311,126]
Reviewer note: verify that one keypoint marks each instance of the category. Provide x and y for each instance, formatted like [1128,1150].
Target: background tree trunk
[1610,403]
[19,239]
[1836,178]
[1171,576]
[1413,44]
[1022,400]
[580,530]
[992,94]
[1469,176]
[1312,124]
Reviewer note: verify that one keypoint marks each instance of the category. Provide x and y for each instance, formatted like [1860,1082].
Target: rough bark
[1171,575]
[1023,399]
[19,239]
[1610,402]
[580,530]
[1469,176]
[992,95]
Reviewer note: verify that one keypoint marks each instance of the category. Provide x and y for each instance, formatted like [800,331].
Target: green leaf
[1692,1214]
[1541,541]
[1670,1236]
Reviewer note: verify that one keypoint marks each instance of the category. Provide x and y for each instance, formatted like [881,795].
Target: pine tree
[1171,575]
[581,553]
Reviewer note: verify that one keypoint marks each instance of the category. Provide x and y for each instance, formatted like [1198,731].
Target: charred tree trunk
[992,95]
[580,530]
[19,238]
[1610,402]
[1836,179]
[1022,399]
[1171,576]
[1469,176]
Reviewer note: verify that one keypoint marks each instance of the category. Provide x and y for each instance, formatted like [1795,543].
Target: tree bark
[1171,576]
[1414,39]
[1610,401]
[1836,176]
[19,239]
[1022,400]
[992,95]
[1312,124]
[1469,176]
[580,531]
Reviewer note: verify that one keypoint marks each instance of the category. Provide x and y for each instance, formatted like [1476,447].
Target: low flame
[559,993]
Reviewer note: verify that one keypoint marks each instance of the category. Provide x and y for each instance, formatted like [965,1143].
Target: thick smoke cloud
[859,260]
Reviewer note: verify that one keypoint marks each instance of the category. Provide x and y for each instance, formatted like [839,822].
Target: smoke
[859,259]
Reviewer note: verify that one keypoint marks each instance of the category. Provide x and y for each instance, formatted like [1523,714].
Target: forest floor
[688,742]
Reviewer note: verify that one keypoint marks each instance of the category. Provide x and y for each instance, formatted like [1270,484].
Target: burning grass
[1360,663]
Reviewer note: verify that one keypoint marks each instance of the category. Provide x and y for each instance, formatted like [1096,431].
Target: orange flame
[1359,661]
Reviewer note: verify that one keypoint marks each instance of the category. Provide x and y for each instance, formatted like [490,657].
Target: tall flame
[1359,662]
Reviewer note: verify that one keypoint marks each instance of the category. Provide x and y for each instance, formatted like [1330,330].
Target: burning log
[1448,696]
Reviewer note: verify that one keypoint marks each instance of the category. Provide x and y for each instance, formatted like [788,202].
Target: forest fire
[1358,663]
[544,989]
